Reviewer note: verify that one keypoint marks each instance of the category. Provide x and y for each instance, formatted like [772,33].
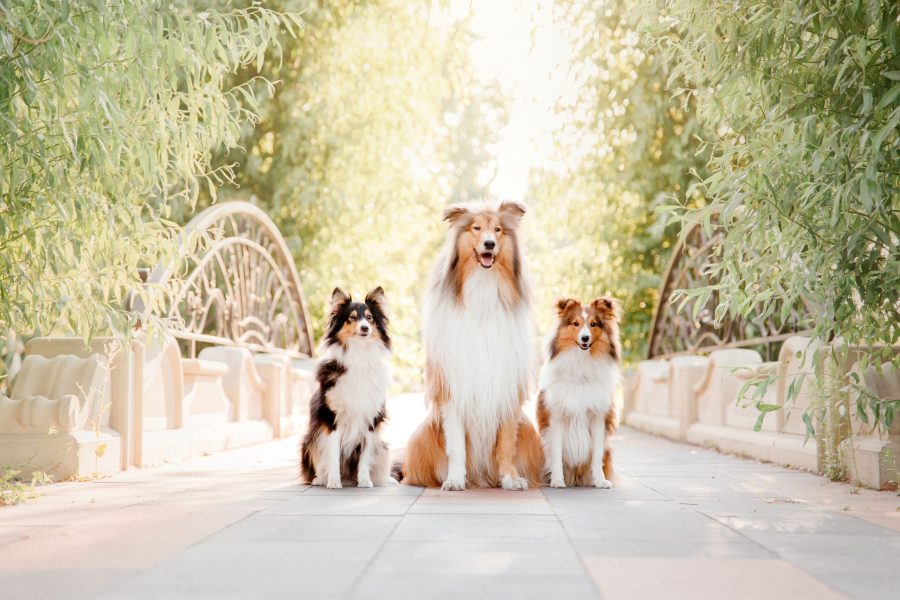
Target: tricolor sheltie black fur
[575,409]
[347,411]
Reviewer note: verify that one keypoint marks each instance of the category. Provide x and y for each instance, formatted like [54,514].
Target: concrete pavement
[682,522]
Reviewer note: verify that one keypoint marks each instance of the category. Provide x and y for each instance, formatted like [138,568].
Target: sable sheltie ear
[453,213]
[609,308]
[376,300]
[511,211]
[564,304]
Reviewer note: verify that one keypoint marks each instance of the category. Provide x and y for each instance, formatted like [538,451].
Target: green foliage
[109,112]
[803,100]
[628,146]
[13,489]
[376,123]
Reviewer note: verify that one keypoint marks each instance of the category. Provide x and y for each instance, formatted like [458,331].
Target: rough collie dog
[575,409]
[347,411]
[478,347]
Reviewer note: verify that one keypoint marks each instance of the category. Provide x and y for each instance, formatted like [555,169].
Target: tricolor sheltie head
[576,413]
[592,328]
[484,236]
[357,321]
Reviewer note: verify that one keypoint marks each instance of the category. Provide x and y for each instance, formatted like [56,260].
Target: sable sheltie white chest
[576,412]
[347,410]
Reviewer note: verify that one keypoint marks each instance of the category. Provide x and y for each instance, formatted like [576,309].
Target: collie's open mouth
[584,346]
[486,259]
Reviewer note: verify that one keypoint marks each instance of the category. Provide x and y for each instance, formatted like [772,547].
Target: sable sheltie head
[484,236]
[349,320]
[592,328]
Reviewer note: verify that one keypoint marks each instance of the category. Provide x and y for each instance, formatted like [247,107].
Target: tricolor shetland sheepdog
[347,411]
[575,409]
[478,348]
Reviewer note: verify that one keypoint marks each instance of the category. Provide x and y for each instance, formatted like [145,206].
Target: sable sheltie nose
[489,244]
[585,341]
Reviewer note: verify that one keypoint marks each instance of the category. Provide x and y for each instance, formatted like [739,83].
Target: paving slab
[682,522]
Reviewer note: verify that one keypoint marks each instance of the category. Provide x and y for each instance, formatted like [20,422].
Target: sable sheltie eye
[496,229]
[574,323]
[477,228]
[593,324]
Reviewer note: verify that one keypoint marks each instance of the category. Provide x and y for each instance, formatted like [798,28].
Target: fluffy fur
[347,411]
[575,409]
[478,341]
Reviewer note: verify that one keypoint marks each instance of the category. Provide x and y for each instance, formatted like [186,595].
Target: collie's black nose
[489,245]
[364,328]
[585,338]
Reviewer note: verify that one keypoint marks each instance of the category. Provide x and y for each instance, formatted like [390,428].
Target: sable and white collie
[347,411]
[575,409]
[478,348]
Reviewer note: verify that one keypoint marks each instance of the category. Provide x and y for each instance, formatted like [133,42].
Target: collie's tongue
[487,259]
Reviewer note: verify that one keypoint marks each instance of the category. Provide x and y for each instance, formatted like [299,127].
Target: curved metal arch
[676,332]
[242,289]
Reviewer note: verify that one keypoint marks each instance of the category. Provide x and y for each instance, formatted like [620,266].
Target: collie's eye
[593,324]
[477,228]
[496,229]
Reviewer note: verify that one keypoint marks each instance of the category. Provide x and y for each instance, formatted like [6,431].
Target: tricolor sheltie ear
[339,300]
[377,302]
[564,304]
[452,214]
[609,308]
[511,211]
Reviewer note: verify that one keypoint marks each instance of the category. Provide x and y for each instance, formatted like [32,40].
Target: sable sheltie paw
[603,484]
[508,482]
[557,483]
[333,484]
[390,481]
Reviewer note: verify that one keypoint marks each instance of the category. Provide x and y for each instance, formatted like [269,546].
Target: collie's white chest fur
[578,388]
[484,351]
[358,394]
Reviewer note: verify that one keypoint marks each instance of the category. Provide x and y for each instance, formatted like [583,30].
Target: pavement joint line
[581,561]
[377,553]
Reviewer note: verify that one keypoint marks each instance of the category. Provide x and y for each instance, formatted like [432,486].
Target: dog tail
[612,422]
[397,471]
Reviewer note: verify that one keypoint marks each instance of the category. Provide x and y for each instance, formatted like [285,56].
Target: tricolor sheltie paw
[557,483]
[317,481]
[507,482]
[454,485]
[390,481]
[334,484]
[364,483]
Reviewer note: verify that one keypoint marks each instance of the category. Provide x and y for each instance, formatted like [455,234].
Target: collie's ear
[453,213]
[376,300]
[512,211]
[609,308]
[564,304]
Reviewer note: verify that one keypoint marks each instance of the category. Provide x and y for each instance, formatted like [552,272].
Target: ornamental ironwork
[675,329]
[241,288]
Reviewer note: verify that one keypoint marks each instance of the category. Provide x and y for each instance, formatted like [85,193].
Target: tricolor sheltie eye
[368,316]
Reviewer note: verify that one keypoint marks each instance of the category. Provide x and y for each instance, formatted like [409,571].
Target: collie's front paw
[603,484]
[364,483]
[557,483]
[453,484]
[508,482]
[334,484]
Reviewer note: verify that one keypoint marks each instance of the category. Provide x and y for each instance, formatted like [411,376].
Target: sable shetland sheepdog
[478,348]
[575,409]
[347,411]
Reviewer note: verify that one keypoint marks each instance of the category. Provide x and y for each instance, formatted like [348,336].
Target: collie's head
[484,236]
[357,321]
[592,328]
